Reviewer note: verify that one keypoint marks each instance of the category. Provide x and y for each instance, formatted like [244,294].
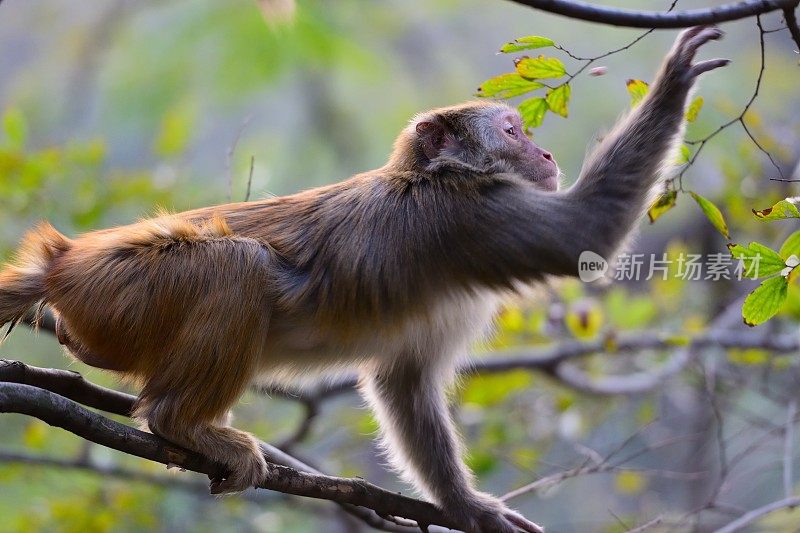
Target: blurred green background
[112,108]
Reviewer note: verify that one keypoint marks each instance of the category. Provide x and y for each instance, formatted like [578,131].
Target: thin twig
[250,178]
[229,155]
[788,450]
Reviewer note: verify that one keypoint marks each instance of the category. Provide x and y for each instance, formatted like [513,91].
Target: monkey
[395,272]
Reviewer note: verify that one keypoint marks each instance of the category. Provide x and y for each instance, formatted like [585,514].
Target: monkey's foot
[247,471]
[487,514]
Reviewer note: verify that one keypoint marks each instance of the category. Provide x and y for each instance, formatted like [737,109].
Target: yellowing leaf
[526,43]
[35,435]
[759,261]
[558,98]
[663,203]
[584,323]
[540,67]
[713,214]
[638,90]
[512,320]
[487,390]
[694,109]
[507,86]
[786,208]
[748,357]
[630,483]
[532,111]
[766,300]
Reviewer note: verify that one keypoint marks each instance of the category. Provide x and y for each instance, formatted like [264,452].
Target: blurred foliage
[111,110]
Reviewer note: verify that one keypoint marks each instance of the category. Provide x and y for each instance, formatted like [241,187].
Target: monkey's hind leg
[191,409]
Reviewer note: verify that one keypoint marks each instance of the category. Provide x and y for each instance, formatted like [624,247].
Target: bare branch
[791,23]
[651,19]
[66,414]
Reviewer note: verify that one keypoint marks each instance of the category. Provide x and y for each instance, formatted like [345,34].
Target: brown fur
[396,270]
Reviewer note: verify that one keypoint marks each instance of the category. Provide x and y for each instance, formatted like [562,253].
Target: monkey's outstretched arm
[619,175]
[545,233]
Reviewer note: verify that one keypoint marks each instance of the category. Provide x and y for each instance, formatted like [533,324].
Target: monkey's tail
[22,280]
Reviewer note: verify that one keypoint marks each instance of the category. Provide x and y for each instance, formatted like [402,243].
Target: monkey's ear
[433,137]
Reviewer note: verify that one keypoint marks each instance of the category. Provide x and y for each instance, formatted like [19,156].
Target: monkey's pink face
[529,160]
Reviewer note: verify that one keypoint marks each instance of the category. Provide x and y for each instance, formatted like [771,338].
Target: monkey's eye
[510,129]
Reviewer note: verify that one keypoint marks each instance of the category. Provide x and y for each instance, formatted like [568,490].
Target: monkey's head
[482,137]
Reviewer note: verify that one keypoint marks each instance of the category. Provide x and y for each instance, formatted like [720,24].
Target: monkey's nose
[547,155]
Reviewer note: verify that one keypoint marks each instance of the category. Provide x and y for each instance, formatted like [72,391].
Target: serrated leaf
[526,43]
[663,203]
[694,109]
[540,67]
[558,99]
[766,300]
[759,261]
[638,90]
[532,111]
[15,127]
[786,208]
[791,246]
[683,155]
[713,214]
[507,86]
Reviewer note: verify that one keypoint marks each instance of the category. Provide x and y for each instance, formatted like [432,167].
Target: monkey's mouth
[548,182]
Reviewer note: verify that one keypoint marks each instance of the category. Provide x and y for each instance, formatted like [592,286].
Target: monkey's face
[483,136]
[527,159]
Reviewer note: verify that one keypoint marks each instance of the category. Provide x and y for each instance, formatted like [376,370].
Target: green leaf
[532,111]
[791,246]
[713,214]
[759,261]
[558,98]
[694,109]
[663,203]
[762,304]
[638,90]
[684,155]
[786,208]
[507,86]
[526,43]
[540,67]
[15,127]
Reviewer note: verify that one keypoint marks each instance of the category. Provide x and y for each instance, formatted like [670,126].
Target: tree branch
[66,414]
[652,19]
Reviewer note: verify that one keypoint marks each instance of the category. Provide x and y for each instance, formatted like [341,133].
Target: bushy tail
[22,280]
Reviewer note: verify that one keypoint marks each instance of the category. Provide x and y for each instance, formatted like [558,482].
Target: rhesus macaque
[396,271]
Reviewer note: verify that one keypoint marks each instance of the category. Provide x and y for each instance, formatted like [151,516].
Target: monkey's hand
[483,513]
[678,70]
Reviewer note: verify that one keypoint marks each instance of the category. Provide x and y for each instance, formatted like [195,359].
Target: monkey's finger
[687,34]
[705,66]
[708,33]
